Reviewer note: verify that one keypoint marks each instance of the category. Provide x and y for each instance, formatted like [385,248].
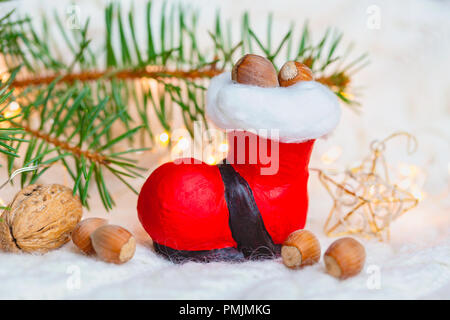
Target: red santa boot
[245,207]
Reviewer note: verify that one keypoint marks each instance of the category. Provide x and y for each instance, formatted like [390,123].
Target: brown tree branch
[339,80]
[123,74]
[96,157]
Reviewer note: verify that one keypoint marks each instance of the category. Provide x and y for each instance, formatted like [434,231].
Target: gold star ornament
[365,201]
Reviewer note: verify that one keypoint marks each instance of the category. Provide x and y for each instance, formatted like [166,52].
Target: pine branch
[86,76]
[82,104]
[63,145]
[73,131]
[7,135]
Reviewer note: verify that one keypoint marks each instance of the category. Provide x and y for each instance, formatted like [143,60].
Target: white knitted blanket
[405,88]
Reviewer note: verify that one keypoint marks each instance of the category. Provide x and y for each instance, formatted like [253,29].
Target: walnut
[39,219]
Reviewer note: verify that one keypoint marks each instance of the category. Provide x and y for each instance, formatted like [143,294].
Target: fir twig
[86,76]
[82,106]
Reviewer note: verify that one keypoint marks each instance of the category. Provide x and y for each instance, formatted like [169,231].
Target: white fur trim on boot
[304,111]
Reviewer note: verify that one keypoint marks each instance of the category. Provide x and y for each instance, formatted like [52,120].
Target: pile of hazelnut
[344,258]
[110,243]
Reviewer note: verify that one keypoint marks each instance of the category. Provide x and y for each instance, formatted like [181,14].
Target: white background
[406,87]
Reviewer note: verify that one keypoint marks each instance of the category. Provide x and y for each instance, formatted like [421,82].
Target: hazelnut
[293,72]
[82,233]
[113,244]
[255,70]
[300,248]
[344,258]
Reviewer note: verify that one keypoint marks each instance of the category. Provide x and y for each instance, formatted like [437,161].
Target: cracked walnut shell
[39,219]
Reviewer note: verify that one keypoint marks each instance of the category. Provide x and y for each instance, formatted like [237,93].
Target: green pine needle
[87,125]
